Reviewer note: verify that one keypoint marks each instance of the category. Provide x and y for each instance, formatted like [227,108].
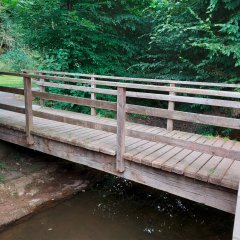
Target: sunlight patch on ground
[11,81]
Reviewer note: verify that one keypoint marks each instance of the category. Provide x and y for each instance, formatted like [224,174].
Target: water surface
[120,210]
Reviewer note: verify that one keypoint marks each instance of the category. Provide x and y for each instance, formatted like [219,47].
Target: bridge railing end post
[28,108]
[121,128]
[93,97]
[171,106]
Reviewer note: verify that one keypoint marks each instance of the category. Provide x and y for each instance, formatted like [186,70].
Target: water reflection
[117,210]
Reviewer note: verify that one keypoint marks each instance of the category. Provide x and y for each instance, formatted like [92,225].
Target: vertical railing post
[93,97]
[42,89]
[171,106]
[121,118]
[236,228]
[28,108]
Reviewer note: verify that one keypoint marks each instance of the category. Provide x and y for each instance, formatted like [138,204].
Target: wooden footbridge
[200,168]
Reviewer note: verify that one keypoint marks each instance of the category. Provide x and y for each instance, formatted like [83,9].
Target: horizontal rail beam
[12,90]
[74,121]
[185,116]
[74,87]
[161,81]
[142,135]
[205,92]
[76,100]
[153,96]
[216,93]
[183,99]
[204,101]
[12,108]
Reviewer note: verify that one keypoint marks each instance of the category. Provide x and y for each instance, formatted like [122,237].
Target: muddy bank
[30,181]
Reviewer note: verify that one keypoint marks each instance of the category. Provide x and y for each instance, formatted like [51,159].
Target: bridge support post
[93,97]
[236,230]
[42,89]
[121,131]
[28,108]
[171,106]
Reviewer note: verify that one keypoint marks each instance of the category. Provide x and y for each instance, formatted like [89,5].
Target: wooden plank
[12,90]
[236,146]
[185,99]
[93,97]
[157,163]
[194,138]
[173,98]
[183,164]
[138,157]
[228,144]
[75,121]
[131,152]
[219,172]
[74,87]
[77,100]
[12,108]
[208,169]
[184,116]
[205,92]
[194,167]
[121,129]
[108,142]
[54,115]
[168,165]
[151,157]
[236,229]
[198,145]
[171,106]
[211,195]
[225,85]
[28,109]
[42,89]
[231,178]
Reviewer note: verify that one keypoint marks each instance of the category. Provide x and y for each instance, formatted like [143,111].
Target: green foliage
[84,36]
[195,40]
[14,55]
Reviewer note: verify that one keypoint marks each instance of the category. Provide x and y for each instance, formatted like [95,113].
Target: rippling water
[117,210]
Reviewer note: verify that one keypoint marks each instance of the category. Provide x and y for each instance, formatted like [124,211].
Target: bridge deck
[178,160]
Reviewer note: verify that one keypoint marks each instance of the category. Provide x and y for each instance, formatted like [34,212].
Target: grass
[11,81]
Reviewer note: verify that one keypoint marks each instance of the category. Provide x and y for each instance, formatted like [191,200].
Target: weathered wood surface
[236,230]
[205,193]
[28,109]
[155,96]
[205,92]
[159,155]
[171,106]
[93,97]
[121,128]
[150,155]
[160,81]
[201,143]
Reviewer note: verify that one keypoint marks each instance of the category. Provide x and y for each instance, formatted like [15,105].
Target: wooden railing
[124,88]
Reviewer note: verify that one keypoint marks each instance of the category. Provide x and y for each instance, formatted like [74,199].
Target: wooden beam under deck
[201,192]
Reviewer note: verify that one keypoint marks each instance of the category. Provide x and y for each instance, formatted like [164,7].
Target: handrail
[116,78]
[123,91]
[153,96]
[205,92]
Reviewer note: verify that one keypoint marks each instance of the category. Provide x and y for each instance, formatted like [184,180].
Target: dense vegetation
[188,39]
[174,39]
[197,39]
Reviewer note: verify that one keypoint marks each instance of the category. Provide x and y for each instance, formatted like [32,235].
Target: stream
[116,209]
